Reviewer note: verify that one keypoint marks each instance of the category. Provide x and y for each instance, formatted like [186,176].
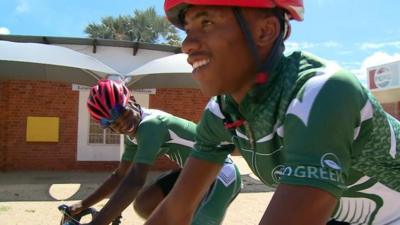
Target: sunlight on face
[217,50]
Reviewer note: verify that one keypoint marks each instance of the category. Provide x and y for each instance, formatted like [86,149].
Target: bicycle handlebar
[68,219]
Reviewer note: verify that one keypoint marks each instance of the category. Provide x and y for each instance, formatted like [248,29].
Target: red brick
[20,99]
[182,102]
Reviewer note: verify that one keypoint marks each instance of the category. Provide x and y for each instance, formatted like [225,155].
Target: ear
[266,30]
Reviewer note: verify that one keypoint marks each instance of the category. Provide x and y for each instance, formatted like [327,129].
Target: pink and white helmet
[105,97]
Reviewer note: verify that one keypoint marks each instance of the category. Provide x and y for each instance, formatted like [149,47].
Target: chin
[209,92]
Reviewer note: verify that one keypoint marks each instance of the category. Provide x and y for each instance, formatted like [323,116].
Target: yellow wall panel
[42,129]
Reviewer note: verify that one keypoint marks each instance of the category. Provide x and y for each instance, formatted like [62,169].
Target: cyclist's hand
[76,208]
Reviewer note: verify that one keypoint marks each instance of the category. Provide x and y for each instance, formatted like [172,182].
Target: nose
[190,44]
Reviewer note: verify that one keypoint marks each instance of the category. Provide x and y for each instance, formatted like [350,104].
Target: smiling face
[218,53]
[127,122]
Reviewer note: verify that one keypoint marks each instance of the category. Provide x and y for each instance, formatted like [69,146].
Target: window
[98,135]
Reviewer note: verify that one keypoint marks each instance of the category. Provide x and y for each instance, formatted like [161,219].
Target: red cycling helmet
[173,8]
[106,99]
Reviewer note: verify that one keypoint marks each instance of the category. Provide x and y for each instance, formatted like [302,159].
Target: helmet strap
[264,67]
[247,35]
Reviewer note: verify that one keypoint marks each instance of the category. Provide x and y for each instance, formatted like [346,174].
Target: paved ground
[32,197]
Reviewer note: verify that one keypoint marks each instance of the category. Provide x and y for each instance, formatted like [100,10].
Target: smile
[131,129]
[200,63]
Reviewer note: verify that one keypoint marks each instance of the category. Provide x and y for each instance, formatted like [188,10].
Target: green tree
[145,26]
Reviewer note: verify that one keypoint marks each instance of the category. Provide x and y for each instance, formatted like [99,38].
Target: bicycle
[68,219]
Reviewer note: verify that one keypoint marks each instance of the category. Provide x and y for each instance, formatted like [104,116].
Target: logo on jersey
[330,169]
[331,160]
[287,171]
[314,172]
[277,173]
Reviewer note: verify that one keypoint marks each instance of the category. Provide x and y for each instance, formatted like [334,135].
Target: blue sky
[354,33]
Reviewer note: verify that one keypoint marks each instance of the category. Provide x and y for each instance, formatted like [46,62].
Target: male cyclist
[302,124]
[149,134]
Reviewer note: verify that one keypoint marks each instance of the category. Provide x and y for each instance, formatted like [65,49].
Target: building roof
[90,41]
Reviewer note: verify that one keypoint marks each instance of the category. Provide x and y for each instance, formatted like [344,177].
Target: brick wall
[3,115]
[183,102]
[20,99]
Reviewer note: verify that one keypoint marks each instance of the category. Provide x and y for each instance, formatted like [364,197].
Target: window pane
[96,133]
[111,137]
[96,139]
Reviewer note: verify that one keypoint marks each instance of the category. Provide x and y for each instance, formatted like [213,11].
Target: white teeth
[130,130]
[200,63]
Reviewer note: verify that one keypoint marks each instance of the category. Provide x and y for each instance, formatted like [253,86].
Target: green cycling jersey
[313,124]
[160,133]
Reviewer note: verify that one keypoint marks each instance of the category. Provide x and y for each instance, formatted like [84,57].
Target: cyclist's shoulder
[153,116]
[158,121]
[152,122]
[313,71]
[318,80]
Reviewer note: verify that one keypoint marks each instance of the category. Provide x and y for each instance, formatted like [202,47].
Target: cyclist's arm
[299,205]
[124,194]
[150,136]
[178,207]
[105,189]
[319,136]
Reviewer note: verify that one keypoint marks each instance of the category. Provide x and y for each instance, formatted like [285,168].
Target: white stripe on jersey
[393,149]
[313,86]
[175,139]
[367,112]
[357,210]
[268,137]
[151,113]
[214,108]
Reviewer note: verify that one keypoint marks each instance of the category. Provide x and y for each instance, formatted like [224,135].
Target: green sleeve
[319,132]
[130,149]
[213,141]
[150,136]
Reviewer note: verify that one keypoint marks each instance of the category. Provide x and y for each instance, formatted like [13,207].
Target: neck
[239,94]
